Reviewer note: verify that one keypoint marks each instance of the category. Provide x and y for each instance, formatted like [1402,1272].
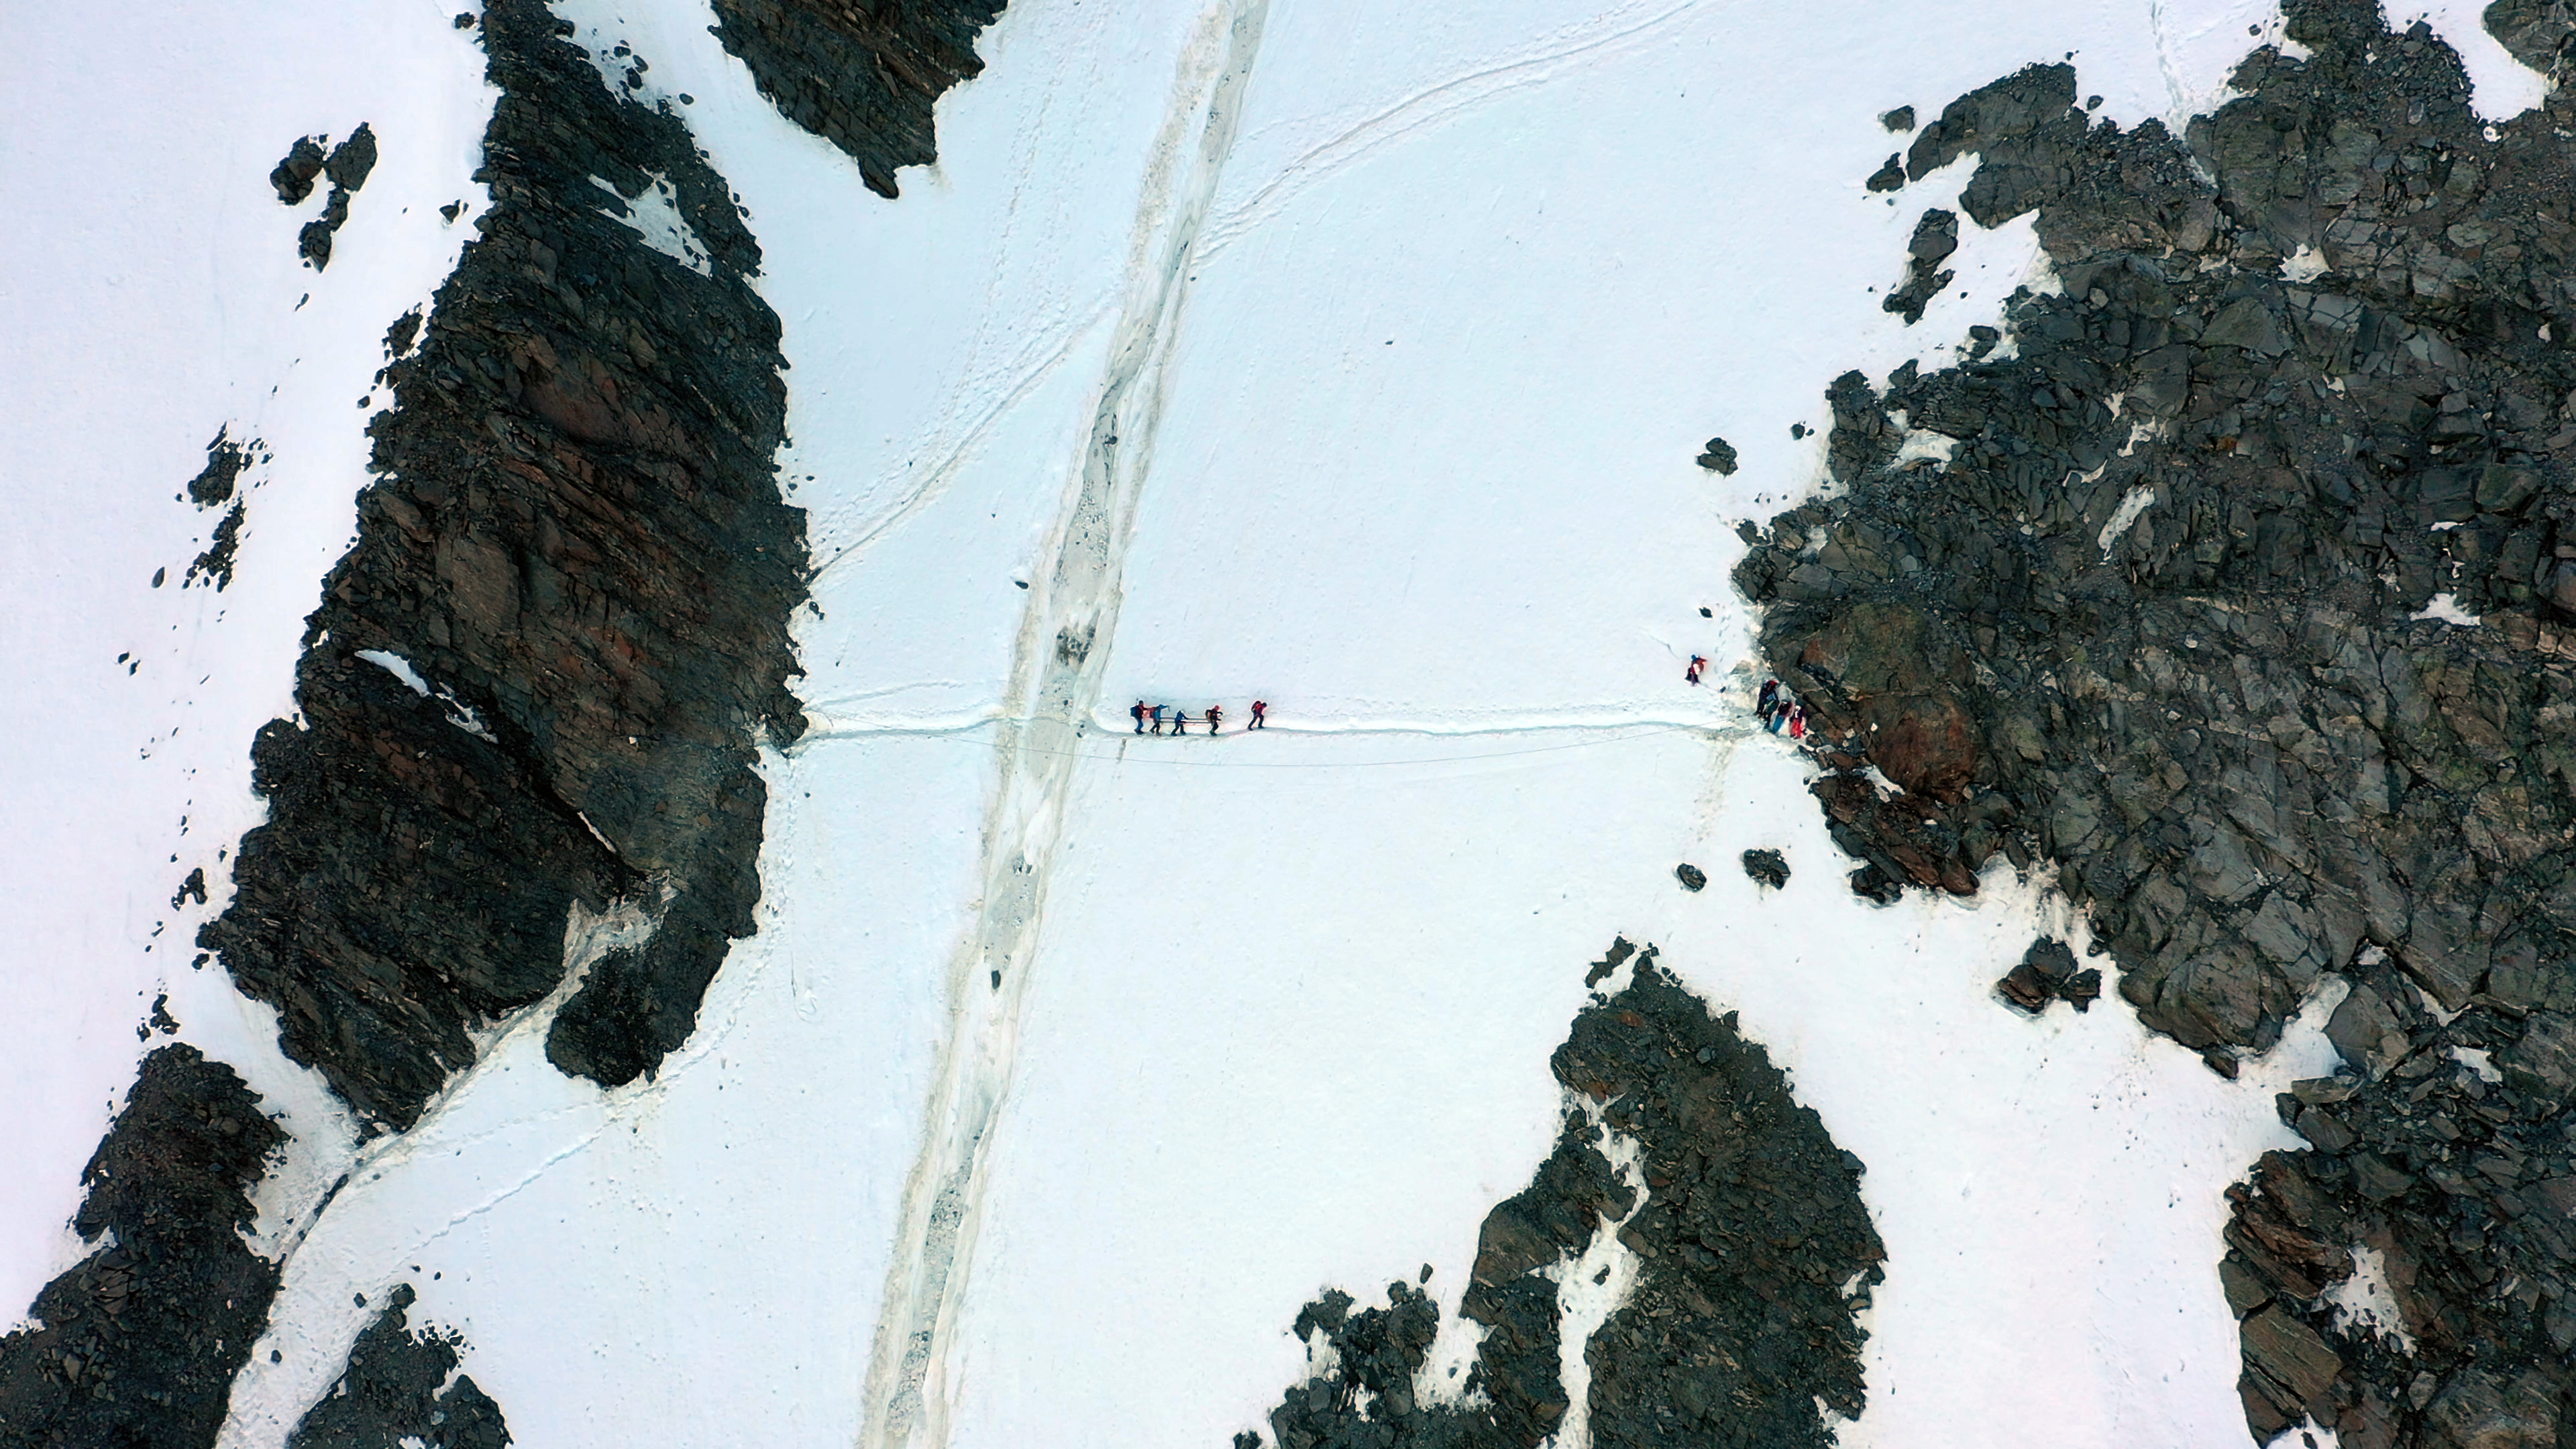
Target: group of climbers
[1151,715]
[1779,712]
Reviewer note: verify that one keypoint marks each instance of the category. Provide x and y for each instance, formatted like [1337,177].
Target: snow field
[688,1259]
[663,1260]
[1424,463]
[152,295]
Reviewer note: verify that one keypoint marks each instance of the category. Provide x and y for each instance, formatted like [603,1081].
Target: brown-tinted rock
[2476,1411]
[577,537]
[2292,1364]
[863,78]
[137,1343]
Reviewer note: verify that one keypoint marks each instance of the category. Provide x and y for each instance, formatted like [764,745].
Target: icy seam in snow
[266,1399]
[1058,661]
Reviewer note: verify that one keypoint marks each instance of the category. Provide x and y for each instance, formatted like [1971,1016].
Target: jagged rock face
[139,1342]
[861,74]
[1738,1327]
[225,460]
[2539,33]
[398,1390]
[412,881]
[2169,572]
[1747,1224]
[2151,619]
[576,535]
[2449,1156]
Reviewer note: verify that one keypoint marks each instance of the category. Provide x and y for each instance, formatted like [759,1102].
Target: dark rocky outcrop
[2152,618]
[1936,236]
[2161,619]
[213,487]
[137,1344]
[347,165]
[397,1391]
[225,460]
[2447,1151]
[295,174]
[215,565]
[575,534]
[861,74]
[352,160]
[1692,877]
[2539,33]
[1767,867]
[1747,1222]
[2046,974]
[1718,457]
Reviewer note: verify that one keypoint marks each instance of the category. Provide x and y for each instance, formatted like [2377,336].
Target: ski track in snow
[956,454]
[1429,107]
[266,1403]
[1056,669]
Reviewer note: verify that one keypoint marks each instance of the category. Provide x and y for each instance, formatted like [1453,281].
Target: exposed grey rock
[352,160]
[215,565]
[401,1390]
[313,242]
[400,336]
[1936,236]
[862,78]
[2218,716]
[1691,876]
[1749,1222]
[1621,948]
[2539,33]
[2154,626]
[1767,867]
[2047,973]
[1718,457]
[294,175]
[137,1343]
[225,460]
[576,532]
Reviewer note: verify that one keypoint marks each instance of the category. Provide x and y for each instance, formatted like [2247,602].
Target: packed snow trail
[1055,687]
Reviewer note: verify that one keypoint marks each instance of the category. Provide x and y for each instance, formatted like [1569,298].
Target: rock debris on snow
[1767,867]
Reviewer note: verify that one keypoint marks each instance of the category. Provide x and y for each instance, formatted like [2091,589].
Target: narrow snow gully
[1054,691]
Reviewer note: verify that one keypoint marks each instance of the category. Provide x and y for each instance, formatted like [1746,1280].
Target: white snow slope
[1350,356]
